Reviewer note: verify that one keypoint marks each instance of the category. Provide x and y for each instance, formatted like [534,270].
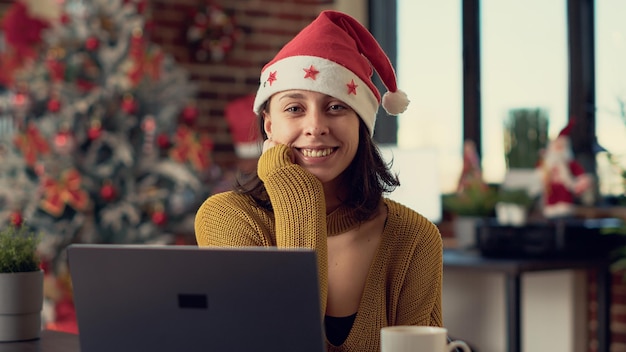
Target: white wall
[554,307]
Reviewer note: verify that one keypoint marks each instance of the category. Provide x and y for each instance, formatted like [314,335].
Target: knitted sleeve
[228,219]
[420,298]
[297,198]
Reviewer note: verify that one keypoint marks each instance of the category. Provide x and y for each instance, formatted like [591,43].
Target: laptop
[188,298]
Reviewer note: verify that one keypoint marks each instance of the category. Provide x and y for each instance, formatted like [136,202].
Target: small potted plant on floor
[21,284]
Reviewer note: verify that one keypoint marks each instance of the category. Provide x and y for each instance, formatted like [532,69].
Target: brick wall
[266,25]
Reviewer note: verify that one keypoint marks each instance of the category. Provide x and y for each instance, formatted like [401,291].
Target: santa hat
[334,55]
[566,131]
[244,127]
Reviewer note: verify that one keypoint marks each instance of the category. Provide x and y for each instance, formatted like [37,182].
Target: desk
[514,268]
[50,341]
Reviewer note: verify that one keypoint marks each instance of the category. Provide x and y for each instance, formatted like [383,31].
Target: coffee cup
[404,338]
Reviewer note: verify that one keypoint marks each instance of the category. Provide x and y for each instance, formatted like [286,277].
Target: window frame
[581,73]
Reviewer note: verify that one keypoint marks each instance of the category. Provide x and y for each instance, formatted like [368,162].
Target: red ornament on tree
[54,105]
[64,141]
[95,130]
[190,114]
[108,192]
[159,217]
[129,105]
[92,43]
[163,140]
[16,219]
[56,68]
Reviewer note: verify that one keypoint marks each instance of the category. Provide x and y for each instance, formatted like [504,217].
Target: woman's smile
[316,152]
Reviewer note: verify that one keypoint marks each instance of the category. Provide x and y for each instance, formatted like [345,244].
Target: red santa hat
[244,127]
[567,130]
[334,55]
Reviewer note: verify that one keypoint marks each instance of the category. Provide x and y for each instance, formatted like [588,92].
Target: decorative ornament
[193,147]
[129,105]
[159,217]
[64,141]
[20,100]
[149,127]
[54,104]
[163,141]
[143,62]
[108,191]
[31,144]
[212,34]
[92,43]
[64,191]
[16,219]
[190,113]
[55,66]
[95,130]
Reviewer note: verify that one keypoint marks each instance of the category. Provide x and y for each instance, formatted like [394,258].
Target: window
[429,69]
[533,54]
[610,67]
[523,66]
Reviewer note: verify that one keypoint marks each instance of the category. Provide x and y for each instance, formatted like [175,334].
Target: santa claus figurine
[564,179]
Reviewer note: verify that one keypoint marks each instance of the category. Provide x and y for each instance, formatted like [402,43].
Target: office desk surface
[50,341]
[471,260]
[514,268]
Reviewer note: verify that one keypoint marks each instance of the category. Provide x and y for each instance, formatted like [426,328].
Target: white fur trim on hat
[331,79]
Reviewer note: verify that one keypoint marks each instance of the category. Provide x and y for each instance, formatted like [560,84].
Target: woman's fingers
[268,143]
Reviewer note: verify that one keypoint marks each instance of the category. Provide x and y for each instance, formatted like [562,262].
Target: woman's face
[322,131]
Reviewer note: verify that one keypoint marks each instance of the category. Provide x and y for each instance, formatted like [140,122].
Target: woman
[319,184]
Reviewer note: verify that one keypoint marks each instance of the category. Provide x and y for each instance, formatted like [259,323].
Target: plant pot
[511,214]
[21,301]
[464,228]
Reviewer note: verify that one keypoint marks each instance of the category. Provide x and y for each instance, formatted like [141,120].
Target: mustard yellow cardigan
[405,279]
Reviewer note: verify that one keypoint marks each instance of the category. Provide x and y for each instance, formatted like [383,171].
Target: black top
[338,328]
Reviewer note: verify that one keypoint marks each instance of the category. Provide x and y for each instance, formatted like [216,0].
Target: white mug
[404,338]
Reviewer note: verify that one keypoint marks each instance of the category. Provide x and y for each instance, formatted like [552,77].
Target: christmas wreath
[212,33]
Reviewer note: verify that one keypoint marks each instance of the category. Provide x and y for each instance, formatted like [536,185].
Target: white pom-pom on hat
[396,102]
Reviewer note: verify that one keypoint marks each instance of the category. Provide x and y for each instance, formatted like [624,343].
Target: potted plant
[512,206]
[475,200]
[469,206]
[21,284]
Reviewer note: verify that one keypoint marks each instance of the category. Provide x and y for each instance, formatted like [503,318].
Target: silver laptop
[185,298]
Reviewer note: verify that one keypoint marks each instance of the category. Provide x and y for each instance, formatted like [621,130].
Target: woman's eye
[337,107]
[293,109]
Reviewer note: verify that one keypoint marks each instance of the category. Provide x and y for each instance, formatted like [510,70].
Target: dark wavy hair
[365,180]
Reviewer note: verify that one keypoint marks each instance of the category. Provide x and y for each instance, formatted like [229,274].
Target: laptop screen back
[185,298]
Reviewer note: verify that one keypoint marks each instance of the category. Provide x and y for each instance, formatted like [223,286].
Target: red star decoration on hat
[351,87]
[311,72]
[272,77]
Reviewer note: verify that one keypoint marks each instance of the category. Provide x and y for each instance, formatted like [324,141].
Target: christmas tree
[97,127]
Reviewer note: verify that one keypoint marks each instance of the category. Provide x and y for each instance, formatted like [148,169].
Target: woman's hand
[269,143]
